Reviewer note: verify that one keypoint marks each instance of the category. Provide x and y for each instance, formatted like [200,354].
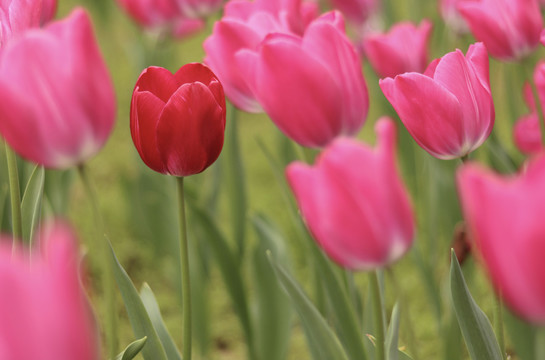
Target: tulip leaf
[152,308]
[132,349]
[31,205]
[476,328]
[274,311]
[138,317]
[392,335]
[322,342]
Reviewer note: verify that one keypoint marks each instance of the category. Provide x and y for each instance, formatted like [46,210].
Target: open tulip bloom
[448,110]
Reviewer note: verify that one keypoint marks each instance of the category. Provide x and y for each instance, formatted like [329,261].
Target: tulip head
[178,120]
[57,100]
[505,217]
[17,16]
[448,110]
[354,203]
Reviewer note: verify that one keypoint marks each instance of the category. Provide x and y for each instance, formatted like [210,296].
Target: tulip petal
[158,81]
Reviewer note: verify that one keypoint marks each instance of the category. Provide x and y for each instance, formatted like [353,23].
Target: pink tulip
[448,110]
[509,29]
[244,25]
[505,217]
[198,8]
[356,12]
[452,17]
[17,16]
[312,88]
[56,98]
[43,311]
[354,202]
[404,48]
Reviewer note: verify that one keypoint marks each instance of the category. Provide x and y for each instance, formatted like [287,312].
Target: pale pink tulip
[448,110]
[57,100]
[244,25]
[17,16]
[312,88]
[43,310]
[354,202]
[452,17]
[196,9]
[402,49]
[510,29]
[356,12]
[505,217]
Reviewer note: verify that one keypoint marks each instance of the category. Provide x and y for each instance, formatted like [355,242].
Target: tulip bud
[17,16]
[354,203]
[43,310]
[504,215]
[509,29]
[57,100]
[178,121]
[448,110]
[403,49]
[313,87]
[356,12]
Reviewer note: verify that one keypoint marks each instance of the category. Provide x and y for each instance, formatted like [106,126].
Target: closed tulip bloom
[312,88]
[448,110]
[43,310]
[178,120]
[356,12]
[243,26]
[505,217]
[57,100]
[17,16]
[403,49]
[509,29]
[354,203]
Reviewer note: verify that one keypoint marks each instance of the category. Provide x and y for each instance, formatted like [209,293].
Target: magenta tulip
[354,203]
[509,29]
[43,310]
[243,26]
[178,121]
[505,217]
[17,16]
[403,49]
[312,88]
[57,100]
[452,17]
[356,12]
[448,110]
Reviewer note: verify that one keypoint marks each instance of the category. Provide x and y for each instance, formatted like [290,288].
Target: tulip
[402,49]
[312,88]
[43,310]
[56,97]
[17,16]
[178,121]
[452,17]
[509,29]
[243,26]
[505,217]
[448,110]
[356,12]
[354,203]
[198,8]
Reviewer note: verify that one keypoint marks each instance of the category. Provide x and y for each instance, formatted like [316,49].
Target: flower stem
[379,315]
[15,195]
[107,270]
[184,262]
[540,343]
[498,324]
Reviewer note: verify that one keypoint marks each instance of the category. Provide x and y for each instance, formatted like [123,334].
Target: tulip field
[272,179]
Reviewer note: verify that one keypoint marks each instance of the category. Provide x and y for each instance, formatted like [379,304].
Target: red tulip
[505,217]
[448,110]
[43,310]
[178,121]
[57,100]
[510,29]
[354,203]
[403,49]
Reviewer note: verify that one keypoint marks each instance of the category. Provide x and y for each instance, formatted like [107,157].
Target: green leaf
[139,318]
[31,205]
[322,342]
[152,308]
[392,335]
[476,329]
[273,308]
[132,350]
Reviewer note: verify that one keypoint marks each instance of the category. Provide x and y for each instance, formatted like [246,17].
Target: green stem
[540,343]
[528,67]
[15,195]
[379,315]
[107,269]
[498,324]
[184,262]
